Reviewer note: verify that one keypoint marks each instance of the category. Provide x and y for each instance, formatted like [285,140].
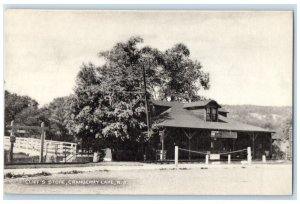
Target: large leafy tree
[108,104]
[15,104]
[182,76]
[105,105]
[34,117]
[25,111]
[57,119]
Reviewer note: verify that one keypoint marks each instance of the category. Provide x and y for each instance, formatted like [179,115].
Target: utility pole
[146,107]
[146,102]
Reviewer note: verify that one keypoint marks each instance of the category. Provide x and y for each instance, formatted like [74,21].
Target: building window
[214,114]
[208,114]
[211,114]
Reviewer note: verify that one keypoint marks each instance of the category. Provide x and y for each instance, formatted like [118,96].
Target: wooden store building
[204,126]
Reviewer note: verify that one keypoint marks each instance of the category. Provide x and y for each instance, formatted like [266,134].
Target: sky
[248,54]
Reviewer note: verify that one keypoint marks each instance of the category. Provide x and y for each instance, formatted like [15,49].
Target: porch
[214,142]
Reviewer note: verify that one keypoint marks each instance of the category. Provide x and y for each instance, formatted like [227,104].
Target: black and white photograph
[148,102]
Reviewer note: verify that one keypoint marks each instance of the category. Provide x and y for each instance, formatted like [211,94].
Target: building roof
[178,116]
[222,110]
[200,103]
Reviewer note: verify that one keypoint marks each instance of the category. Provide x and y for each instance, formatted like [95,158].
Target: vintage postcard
[148,102]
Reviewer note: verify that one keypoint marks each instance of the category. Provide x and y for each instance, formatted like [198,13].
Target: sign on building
[224,134]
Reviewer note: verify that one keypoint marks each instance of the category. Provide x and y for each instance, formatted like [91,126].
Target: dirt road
[210,180]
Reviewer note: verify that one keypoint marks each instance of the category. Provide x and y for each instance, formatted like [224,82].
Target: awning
[224,134]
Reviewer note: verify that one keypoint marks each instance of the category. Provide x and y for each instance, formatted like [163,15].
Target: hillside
[269,117]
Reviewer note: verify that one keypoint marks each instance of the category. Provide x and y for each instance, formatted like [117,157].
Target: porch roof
[178,116]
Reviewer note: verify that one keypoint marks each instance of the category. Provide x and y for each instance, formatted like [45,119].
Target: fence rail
[32,146]
[215,156]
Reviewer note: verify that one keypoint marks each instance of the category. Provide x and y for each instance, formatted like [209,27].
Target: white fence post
[264,158]
[42,142]
[249,158]
[176,156]
[229,158]
[206,159]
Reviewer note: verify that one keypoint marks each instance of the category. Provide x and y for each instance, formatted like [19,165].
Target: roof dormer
[201,104]
[210,107]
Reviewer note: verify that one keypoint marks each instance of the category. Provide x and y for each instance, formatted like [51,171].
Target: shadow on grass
[71,172]
[11,175]
[175,169]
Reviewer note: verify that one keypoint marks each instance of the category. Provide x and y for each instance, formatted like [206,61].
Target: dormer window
[214,114]
[208,114]
[211,114]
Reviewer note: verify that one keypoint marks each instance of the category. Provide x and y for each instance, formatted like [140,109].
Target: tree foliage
[57,119]
[107,108]
[108,104]
[25,111]
[15,104]
[182,77]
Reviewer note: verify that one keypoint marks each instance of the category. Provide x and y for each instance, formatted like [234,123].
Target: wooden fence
[32,147]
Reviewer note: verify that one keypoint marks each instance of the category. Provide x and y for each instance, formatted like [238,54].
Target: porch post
[253,144]
[189,135]
[189,147]
[271,145]
[162,147]
[162,137]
